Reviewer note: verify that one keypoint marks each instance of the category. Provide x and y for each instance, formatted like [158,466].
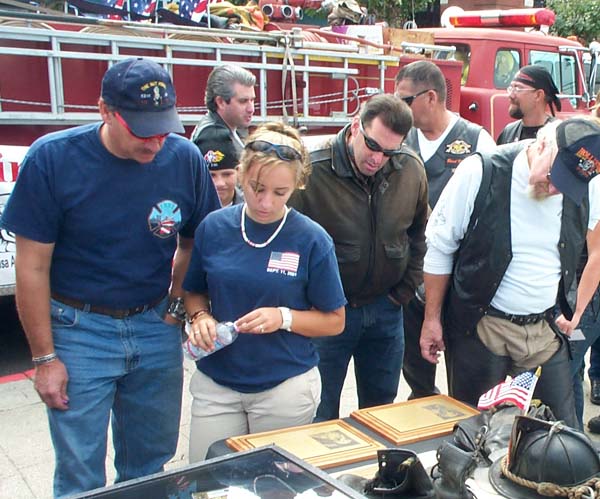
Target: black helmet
[544,452]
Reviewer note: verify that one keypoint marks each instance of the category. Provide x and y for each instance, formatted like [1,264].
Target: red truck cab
[492,56]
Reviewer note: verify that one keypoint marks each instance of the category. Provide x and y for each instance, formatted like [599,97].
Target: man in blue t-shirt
[98,212]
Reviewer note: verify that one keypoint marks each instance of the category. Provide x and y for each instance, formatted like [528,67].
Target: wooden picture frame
[325,445]
[415,420]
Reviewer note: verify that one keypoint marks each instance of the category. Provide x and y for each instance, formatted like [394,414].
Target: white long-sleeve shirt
[530,283]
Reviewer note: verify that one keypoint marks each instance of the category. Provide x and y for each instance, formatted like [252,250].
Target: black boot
[454,467]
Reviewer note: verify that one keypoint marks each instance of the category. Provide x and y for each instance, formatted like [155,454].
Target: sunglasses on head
[285,153]
[375,147]
[409,99]
[160,136]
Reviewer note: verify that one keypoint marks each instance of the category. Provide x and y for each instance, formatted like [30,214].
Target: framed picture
[327,444]
[415,420]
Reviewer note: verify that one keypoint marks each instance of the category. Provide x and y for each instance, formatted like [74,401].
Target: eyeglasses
[518,90]
[409,99]
[160,137]
[285,153]
[375,147]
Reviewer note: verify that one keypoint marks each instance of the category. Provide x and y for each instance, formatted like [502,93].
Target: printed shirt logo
[165,219]
[458,147]
[283,262]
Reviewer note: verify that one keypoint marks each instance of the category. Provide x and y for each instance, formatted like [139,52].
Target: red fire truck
[314,78]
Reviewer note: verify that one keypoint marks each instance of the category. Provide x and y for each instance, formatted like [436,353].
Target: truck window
[506,66]
[562,67]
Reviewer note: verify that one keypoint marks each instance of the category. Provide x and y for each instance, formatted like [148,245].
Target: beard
[515,112]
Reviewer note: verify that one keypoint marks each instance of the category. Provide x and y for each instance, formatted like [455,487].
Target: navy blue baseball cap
[578,158]
[143,93]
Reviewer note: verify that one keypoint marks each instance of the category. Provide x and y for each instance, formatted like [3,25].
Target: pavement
[27,457]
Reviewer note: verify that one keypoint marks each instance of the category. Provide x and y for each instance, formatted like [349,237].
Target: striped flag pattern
[517,391]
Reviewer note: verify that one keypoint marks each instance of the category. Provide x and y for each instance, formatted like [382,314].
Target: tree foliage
[580,18]
[394,12]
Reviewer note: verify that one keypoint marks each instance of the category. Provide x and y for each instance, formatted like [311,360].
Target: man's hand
[568,326]
[51,384]
[431,341]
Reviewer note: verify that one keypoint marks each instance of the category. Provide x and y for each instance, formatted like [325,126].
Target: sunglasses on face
[375,147]
[409,99]
[285,153]
[120,119]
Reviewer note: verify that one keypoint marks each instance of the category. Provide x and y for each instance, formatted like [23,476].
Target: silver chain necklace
[273,236]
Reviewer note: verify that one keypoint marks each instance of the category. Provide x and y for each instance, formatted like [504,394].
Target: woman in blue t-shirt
[273,272]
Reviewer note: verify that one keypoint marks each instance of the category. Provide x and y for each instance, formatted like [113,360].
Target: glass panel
[506,66]
[262,473]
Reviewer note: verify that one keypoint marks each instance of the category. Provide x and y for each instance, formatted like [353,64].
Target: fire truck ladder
[275,57]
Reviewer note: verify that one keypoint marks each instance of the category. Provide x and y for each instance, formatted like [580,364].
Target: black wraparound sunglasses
[375,147]
[409,99]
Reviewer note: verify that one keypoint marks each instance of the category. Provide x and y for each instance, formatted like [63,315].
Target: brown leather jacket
[379,232]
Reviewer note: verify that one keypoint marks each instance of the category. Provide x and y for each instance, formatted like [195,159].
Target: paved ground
[27,459]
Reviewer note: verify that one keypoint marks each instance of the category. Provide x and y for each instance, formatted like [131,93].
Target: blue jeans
[127,369]
[590,325]
[374,336]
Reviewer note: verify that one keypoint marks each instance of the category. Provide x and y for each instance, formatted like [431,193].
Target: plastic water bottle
[226,334]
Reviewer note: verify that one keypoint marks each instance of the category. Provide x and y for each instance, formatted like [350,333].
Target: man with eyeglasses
[530,93]
[442,139]
[99,211]
[495,280]
[370,193]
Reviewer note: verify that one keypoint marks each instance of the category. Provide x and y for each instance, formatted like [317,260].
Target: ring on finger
[261,328]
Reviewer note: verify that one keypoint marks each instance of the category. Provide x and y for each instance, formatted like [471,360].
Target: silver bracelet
[44,359]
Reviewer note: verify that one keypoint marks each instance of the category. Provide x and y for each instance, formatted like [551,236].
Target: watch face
[177,309]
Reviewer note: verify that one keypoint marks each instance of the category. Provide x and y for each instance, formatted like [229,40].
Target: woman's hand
[202,332]
[260,321]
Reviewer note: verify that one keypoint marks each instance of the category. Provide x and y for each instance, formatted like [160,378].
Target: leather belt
[519,320]
[115,313]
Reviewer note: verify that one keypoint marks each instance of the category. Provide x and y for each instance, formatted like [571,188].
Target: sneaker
[594,424]
[595,391]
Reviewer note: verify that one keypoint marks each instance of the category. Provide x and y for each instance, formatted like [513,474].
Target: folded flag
[518,391]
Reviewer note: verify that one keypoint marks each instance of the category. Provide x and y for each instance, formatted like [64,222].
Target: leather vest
[460,142]
[485,252]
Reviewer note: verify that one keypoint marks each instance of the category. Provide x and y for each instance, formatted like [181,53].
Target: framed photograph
[415,420]
[327,444]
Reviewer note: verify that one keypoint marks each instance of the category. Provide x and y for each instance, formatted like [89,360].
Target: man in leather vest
[442,139]
[529,94]
[498,277]
[369,192]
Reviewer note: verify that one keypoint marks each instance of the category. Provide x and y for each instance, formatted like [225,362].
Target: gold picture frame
[415,420]
[325,445]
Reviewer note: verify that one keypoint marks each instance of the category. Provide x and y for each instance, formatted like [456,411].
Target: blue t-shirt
[298,269]
[114,222]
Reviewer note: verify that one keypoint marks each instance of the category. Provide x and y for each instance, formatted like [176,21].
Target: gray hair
[221,80]
[426,75]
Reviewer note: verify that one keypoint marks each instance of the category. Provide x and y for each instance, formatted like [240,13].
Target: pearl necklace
[273,236]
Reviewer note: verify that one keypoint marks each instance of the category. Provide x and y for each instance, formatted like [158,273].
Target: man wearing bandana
[530,93]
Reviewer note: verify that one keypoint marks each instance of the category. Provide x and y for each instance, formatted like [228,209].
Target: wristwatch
[176,309]
[286,315]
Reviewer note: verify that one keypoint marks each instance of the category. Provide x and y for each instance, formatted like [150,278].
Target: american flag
[517,391]
[141,7]
[283,261]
